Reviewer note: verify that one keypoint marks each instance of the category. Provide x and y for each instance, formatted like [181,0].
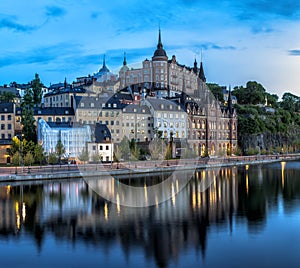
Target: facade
[102,145]
[7,120]
[163,73]
[209,127]
[73,137]
[168,118]
[5,145]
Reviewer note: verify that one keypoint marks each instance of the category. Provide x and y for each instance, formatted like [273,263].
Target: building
[102,145]
[5,145]
[163,73]
[74,137]
[169,119]
[209,127]
[7,120]
[104,74]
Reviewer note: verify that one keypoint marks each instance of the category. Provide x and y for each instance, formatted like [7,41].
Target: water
[247,217]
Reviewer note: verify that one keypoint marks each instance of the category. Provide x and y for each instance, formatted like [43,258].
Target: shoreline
[93,170]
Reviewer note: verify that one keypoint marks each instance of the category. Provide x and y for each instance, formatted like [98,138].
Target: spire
[159,44]
[104,69]
[183,93]
[124,61]
[65,83]
[229,101]
[103,61]
[160,53]
[201,73]
[195,69]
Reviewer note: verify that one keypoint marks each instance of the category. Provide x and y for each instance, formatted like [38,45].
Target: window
[9,117]
[92,104]
[9,126]
[112,122]
[9,136]
[2,136]
[101,147]
[2,126]
[106,123]
[2,117]
[107,147]
[81,104]
[117,123]
[118,131]
[94,147]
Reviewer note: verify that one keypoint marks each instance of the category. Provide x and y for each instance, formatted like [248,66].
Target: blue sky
[240,40]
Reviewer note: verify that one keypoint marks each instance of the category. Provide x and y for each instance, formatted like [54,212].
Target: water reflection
[71,211]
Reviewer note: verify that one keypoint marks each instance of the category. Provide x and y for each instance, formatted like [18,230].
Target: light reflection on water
[247,217]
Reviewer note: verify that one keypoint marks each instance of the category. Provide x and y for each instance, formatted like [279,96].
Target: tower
[159,54]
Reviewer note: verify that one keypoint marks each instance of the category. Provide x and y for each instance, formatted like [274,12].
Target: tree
[15,147]
[39,155]
[217,91]
[84,156]
[52,158]
[124,148]
[36,90]
[254,93]
[290,102]
[134,150]
[27,100]
[27,120]
[156,148]
[28,159]
[7,96]
[96,157]
[16,159]
[60,149]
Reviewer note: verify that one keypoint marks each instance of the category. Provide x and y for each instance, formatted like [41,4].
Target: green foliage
[28,159]
[16,159]
[15,147]
[60,149]
[27,100]
[253,93]
[96,157]
[84,156]
[156,148]
[36,90]
[27,120]
[52,158]
[39,155]
[290,102]
[217,91]
[252,151]
[124,148]
[7,96]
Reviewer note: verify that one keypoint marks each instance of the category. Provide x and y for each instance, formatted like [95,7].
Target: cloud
[41,55]
[294,52]
[55,12]
[11,24]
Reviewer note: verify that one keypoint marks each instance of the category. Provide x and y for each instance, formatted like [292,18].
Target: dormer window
[92,104]
[81,104]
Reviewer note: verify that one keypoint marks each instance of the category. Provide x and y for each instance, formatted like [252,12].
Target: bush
[28,159]
[52,158]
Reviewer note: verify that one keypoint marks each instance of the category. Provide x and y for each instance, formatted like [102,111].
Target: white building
[73,137]
[102,145]
[168,117]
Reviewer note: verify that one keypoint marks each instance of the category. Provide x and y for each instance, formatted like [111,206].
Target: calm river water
[248,216]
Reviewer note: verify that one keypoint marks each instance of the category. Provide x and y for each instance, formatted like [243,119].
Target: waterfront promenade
[51,172]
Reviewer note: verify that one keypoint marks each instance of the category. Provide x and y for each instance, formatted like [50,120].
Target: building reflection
[72,211]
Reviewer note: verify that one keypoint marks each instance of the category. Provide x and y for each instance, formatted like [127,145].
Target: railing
[26,170]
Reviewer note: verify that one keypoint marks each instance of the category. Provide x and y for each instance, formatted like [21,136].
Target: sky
[238,41]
